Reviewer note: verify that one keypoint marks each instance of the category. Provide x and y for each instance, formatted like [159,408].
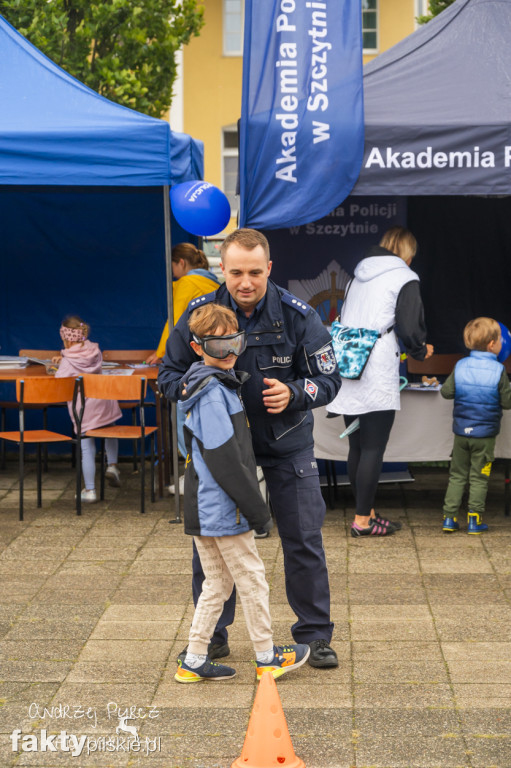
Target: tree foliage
[435,7]
[123,49]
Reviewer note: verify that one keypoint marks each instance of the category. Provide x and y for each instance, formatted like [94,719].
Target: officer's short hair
[248,239]
[479,332]
[211,317]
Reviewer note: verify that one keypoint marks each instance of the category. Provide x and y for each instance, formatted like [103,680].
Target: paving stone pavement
[94,610]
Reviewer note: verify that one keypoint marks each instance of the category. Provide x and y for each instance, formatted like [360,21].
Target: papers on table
[420,387]
[116,371]
[39,361]
[109,364]
[13,361]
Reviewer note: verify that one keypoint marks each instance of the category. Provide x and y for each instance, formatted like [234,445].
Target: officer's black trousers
[299,510]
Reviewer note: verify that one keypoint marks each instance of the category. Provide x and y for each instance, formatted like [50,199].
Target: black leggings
[365,457]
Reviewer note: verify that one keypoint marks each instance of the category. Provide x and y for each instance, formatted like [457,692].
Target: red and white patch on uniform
[311,388]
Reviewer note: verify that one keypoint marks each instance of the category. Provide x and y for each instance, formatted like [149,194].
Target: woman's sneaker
[374,529]
[396,524]
[210,670]
[285,658]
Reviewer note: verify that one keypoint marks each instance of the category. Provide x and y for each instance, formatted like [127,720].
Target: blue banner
[302,120]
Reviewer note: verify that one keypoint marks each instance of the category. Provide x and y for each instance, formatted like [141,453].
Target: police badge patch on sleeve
[325,359]
[311,388]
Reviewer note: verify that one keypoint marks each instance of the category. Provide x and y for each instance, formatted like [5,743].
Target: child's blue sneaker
[207,671]
[285,658]
[474,523]
[450,524]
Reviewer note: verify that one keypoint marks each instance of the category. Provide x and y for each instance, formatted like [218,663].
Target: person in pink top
[79,356]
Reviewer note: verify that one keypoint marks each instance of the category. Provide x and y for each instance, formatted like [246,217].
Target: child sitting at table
[223,503]
[480,388]
[79,356]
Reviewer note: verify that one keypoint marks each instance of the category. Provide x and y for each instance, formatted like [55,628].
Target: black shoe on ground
[215,651]
[322,655]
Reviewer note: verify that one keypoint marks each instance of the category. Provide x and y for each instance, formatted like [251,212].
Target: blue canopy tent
[84,211]
[85,224]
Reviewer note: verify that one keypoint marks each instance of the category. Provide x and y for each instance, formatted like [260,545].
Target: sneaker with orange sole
[207,671]
[285,659]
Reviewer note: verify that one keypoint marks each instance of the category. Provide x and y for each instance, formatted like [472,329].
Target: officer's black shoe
[215,651]
[322,655]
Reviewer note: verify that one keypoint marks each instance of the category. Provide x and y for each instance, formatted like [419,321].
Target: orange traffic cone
[267,743]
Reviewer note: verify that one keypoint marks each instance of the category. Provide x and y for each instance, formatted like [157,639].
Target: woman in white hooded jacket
[384,296]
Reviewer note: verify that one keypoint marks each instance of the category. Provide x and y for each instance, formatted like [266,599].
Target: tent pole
[170,315]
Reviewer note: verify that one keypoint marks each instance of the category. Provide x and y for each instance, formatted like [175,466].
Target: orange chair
[39,390]
[8,405]
[123,356]
[131,388]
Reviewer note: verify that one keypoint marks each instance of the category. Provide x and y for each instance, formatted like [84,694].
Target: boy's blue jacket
[288,342]
[477,409]
[222,496]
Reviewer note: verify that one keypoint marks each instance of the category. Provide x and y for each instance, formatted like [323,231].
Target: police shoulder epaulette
[292,301]
[200,301]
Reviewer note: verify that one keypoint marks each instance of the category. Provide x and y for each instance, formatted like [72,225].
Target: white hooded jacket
[371,303]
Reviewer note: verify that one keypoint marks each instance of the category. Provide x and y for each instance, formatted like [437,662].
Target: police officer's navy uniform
[286,341]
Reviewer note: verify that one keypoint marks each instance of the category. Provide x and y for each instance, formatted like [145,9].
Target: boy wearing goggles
[222,502]
[222,348]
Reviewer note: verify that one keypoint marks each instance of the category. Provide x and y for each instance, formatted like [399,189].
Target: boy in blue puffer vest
[222,501]
[480,387]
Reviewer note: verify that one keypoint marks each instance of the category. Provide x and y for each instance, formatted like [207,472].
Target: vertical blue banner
[302,115]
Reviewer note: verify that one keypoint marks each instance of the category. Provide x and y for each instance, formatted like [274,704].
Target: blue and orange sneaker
[474,523]
[285,658]
[450,525]
[207,671]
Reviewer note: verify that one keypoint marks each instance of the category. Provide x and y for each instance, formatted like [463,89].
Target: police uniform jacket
[288,342]
[222,496]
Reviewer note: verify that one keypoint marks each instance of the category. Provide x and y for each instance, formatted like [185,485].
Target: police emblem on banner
[325,359]
[310,388]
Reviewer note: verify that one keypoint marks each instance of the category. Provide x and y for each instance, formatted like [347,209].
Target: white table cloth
[422,431]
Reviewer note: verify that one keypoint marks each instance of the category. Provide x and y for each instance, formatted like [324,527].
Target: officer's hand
[429,351]
[276,397]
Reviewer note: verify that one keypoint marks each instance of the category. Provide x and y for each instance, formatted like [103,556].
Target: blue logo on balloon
[200,208]
[506,344]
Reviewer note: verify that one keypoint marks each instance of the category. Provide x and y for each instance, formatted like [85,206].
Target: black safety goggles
[221,347]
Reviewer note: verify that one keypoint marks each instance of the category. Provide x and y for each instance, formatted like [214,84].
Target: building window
[233,19]
[230,165]
[233,27]
[370,25]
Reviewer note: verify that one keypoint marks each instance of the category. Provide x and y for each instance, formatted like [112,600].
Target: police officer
[292,370]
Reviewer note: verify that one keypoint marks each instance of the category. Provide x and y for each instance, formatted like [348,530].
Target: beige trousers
[229,560]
